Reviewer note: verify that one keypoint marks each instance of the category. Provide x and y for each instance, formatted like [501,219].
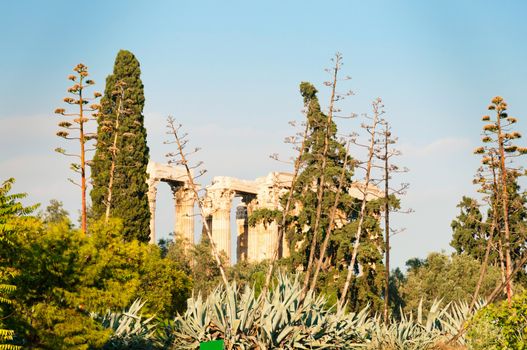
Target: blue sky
[229,71]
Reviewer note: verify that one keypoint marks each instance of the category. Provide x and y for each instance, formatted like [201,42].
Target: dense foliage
[470,229]
[129,190]
[500,326]
[62,275]
[315,172]
[446,278]
[10,211]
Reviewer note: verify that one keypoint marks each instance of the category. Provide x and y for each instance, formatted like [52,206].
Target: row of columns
[253,243]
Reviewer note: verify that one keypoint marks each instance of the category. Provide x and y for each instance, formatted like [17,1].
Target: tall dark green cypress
[305,193]
[129,190]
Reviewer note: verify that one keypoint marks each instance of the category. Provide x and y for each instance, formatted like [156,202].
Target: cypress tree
[367,287]
[305,193]
[129,190]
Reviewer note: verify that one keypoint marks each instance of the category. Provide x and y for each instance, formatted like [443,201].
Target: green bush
[499,326]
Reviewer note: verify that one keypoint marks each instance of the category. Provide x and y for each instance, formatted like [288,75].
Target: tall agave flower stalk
[75,128]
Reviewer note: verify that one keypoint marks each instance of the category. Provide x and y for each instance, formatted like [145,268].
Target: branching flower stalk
[322,180]
[369,164]
[385,153]
[386,159]
[120,110]
[487,179]
[499,139]
[332,217]
[78,125]
[287,209]
[181,158]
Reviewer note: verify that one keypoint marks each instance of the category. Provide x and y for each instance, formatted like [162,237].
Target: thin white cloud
[441,147]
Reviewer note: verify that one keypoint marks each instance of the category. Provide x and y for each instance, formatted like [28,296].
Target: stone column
[252,232]
[285,247]
[221,220]
[184,210]
[262,242]
[242,225]
[272,238]
[152,193]
[267,233]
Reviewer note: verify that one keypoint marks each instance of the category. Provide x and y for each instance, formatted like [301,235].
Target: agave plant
[419,333]
[456,317]
[130,331]
[409,333]
[277,320]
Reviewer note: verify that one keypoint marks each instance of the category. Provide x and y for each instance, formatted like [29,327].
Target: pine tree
[129,189]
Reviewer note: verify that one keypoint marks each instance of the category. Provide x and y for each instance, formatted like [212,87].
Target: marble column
[262,242]
[252,231]
[184,212]
[221,220]
[152,194]
[271,234]
[285,247]
[242,225]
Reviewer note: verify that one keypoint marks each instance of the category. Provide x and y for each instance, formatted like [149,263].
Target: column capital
[221,199]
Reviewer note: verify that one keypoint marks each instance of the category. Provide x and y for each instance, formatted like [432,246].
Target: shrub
[499,326]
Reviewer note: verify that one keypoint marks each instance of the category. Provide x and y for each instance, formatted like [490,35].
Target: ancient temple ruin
[252,243]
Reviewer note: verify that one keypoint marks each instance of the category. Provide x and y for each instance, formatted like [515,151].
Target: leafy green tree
[308,210]
[10,212]
[305,194]
[500,326]
[129,188]
[54,212]
[50,314]
[469,230]
[198,262]
[65,276]
[450,278]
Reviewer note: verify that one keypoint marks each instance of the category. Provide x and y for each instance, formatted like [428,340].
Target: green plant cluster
[61,276]
[279,321]
[500,326]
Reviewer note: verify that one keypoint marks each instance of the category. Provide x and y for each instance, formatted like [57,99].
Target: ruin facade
[253,243]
